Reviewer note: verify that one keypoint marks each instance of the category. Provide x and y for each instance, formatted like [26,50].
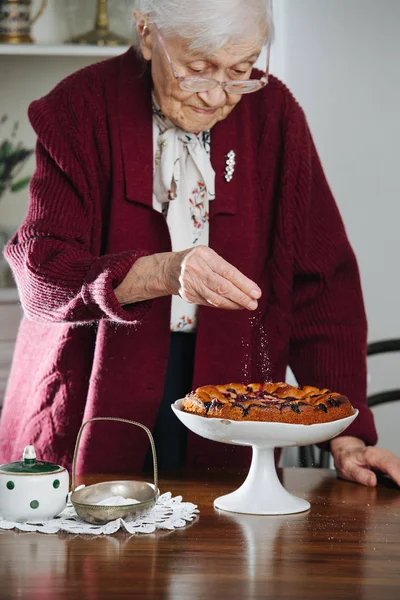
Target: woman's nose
[213,98]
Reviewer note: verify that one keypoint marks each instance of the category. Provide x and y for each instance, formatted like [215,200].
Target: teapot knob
[29,455]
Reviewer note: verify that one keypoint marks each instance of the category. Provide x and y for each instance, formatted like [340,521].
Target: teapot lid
[29,465]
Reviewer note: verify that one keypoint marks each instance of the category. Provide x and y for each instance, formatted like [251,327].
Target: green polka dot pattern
[10,485]
[56,483]
[34,504]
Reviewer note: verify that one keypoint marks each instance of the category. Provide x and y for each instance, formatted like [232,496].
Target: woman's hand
[198,275]
[354,461]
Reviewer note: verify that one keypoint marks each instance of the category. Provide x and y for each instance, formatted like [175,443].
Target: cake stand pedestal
[262,493]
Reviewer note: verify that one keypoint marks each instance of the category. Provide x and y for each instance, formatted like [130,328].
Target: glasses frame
[227,86]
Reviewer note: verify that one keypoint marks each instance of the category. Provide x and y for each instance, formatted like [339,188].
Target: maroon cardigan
[79,354]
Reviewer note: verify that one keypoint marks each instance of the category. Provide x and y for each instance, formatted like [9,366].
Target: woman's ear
[143,31]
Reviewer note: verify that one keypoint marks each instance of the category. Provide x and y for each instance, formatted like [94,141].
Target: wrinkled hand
[201,276]
[354,461]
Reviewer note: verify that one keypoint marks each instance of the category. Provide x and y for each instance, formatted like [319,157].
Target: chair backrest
[383,347]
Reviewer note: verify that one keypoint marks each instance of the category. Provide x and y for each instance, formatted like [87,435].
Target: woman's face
[202,110]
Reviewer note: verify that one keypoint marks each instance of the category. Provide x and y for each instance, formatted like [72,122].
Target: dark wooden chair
[307,454]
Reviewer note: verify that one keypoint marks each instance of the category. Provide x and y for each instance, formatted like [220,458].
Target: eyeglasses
[205,84]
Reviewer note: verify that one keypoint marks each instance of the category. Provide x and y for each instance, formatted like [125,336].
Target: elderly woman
[178,190]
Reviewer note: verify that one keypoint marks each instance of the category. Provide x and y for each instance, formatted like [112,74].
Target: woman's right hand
[199,275]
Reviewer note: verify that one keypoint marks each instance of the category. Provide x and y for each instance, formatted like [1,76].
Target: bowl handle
[153,448]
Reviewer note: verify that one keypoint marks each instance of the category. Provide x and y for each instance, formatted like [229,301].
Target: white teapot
[32,490]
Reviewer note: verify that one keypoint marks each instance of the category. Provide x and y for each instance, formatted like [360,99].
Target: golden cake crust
[276,402]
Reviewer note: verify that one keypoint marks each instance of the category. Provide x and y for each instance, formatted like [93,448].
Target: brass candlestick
[100,35]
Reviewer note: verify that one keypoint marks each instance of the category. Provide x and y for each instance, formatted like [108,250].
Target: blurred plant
[13,157]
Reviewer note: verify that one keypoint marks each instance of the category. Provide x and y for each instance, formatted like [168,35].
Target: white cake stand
[262,493]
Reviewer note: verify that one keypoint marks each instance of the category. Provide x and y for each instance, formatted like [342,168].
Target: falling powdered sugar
[260,338]
[246,361]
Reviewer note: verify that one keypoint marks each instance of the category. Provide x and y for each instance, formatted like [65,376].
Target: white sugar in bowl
[32,490]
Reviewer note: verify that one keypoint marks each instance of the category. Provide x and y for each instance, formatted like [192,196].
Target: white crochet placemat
[168,513]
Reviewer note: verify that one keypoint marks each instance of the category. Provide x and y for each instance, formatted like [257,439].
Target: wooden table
[346,546]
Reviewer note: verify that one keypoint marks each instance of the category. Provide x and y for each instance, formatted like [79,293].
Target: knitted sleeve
[329,328]
[56,255]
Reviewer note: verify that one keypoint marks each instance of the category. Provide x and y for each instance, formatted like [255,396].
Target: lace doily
[168,514]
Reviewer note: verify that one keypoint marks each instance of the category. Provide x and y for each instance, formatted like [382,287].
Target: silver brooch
[230,165]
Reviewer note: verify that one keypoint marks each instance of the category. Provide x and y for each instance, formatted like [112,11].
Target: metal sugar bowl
[141,495]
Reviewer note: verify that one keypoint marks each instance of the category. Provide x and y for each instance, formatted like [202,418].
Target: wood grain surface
[346,546]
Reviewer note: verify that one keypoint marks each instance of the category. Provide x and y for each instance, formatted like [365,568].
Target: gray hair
[209,23]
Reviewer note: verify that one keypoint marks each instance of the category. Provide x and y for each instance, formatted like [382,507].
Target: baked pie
[277,402]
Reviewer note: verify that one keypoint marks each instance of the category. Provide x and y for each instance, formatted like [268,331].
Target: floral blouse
[184,184]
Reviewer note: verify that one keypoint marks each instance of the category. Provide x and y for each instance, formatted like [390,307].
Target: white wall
[341,59]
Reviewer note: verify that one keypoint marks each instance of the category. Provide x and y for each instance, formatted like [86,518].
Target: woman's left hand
[354,461]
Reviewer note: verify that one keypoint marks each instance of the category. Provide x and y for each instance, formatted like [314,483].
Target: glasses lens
[197,84]
[243,87]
